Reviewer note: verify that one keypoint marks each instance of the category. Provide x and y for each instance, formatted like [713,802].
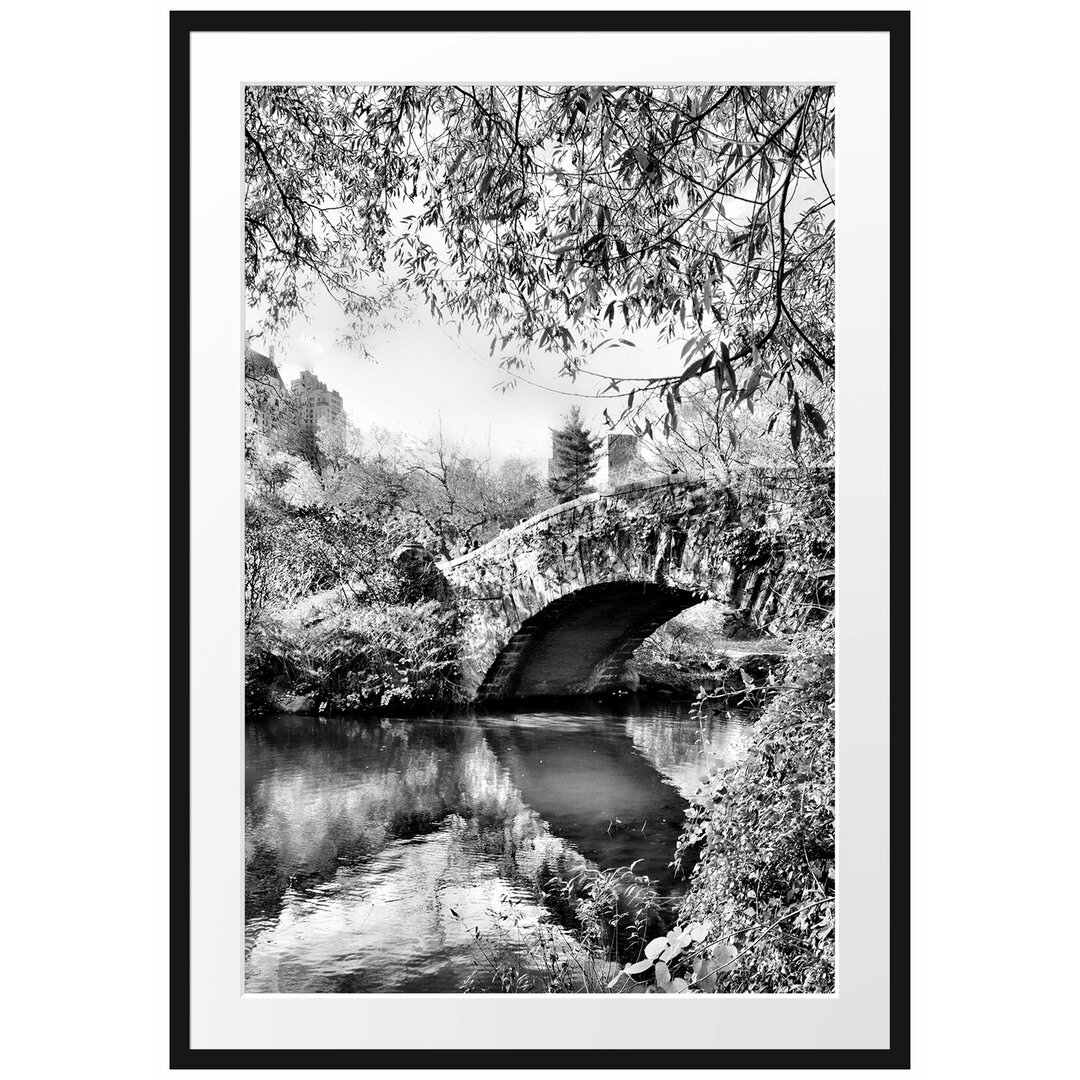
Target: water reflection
[363,835]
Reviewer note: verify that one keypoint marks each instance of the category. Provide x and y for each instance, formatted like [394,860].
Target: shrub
[291,553]
[373,656]
[764,827]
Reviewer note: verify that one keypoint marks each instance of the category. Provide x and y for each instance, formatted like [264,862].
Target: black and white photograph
[539,539]
[514,518]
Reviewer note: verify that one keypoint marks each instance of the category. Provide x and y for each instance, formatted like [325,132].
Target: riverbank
[329,657]
[758,847]
[707,648]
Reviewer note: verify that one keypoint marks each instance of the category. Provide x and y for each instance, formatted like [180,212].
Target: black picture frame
[896,24]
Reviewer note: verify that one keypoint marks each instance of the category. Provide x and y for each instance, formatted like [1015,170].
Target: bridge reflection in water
[361,836]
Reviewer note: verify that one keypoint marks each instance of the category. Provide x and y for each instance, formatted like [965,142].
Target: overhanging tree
[560,218]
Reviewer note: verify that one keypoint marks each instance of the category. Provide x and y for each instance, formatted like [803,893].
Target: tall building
[321,409]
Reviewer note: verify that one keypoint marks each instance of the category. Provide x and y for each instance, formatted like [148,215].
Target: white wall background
[85,598]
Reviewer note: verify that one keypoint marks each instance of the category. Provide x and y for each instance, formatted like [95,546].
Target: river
[374,847]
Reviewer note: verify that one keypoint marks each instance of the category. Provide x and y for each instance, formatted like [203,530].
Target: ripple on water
[375,847]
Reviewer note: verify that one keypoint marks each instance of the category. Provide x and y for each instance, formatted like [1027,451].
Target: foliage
[717,434]
[659,960]
[367,471]
[458,501]
[434,491]
[764,882]
[330,612]
[602,915]
[575,458]
[560,218]
[368,657]
[290,553]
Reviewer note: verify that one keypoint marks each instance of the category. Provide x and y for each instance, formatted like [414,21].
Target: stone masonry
[558,604]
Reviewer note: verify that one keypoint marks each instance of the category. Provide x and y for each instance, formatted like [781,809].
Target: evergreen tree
[575,458]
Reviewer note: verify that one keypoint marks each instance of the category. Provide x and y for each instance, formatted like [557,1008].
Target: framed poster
[540,585]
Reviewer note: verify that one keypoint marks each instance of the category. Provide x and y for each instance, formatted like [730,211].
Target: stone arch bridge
[558,604]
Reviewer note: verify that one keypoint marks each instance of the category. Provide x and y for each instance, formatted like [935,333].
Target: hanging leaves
[519,228]
[672,414]
[729,371]
[815,419]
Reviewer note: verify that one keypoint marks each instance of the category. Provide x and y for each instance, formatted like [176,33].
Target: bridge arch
[582,642]
[558,604]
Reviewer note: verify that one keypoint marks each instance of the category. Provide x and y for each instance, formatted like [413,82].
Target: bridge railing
[748,481]
[559,509]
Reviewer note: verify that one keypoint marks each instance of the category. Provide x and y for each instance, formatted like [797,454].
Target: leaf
[656,947]
[663,976]
[455,163]
[672,951]
[723,956]
[752,382]
[796,426]
[817,421]
[729,371]
[808,362]
[703,974]
[698,932]
[638,968]
[678,986]
[692,344]
[630,405]
[696,367]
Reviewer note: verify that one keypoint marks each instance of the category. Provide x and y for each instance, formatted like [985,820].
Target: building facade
[623,462]
[321,410]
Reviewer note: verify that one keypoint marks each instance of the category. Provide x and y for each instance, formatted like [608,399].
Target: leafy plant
[373,656]
[764,830]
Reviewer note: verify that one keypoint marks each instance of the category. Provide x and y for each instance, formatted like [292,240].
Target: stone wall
[559,603]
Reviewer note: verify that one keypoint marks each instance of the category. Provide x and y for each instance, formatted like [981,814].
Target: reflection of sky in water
[684,752]
[363,835]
